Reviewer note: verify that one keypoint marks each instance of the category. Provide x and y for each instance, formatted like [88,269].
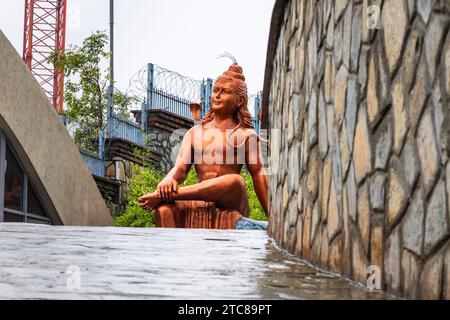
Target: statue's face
[224,97]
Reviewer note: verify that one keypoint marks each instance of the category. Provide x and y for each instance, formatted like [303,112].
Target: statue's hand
[166,188]
[149,201]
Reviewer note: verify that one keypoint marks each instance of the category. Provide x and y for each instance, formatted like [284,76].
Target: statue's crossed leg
[224,203]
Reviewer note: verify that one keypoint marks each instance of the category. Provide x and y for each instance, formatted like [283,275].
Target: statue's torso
[215,154]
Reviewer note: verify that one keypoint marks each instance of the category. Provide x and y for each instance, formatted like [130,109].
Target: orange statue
[218,147]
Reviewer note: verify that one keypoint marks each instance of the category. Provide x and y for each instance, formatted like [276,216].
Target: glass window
[11,217]
[36,221]
[14,186]
[13,183]
[33,203]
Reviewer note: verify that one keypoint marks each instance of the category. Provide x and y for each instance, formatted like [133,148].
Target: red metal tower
[44,33]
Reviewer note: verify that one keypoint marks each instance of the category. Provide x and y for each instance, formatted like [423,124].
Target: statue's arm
[254,163]
[179,172]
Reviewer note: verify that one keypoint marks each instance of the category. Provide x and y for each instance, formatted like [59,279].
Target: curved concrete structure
[64,184]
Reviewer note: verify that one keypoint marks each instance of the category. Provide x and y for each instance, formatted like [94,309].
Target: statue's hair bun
[235,71]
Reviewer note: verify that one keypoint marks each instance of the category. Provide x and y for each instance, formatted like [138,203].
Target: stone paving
[42,262]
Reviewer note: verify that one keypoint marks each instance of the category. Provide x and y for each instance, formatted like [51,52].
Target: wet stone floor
[50,262]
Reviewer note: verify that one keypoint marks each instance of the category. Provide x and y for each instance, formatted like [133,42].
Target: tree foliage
[86,88]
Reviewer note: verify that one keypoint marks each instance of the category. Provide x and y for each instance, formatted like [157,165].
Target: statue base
[195,215]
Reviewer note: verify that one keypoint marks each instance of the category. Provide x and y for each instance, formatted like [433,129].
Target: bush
[144,180]
[256,211]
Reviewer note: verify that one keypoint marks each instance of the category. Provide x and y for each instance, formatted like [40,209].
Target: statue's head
[230,96]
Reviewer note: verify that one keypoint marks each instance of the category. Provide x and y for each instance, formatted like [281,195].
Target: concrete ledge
[45,148]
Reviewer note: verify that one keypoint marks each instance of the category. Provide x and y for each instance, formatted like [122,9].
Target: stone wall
[362,176]
[167,144]
[165,132]
[120,158]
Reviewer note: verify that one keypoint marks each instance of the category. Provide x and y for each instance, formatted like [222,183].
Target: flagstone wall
[360,91]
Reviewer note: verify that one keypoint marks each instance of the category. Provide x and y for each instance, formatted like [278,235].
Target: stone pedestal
[196,215]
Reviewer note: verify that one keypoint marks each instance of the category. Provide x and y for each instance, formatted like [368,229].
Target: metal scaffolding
[44,33]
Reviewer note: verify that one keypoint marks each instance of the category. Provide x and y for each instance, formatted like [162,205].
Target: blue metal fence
[126,129]
[94,162]
[256,124]
[206,92]
[256,101]
[170,91]
[165,101]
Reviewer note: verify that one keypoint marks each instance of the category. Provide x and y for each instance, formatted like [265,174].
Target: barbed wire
[137,86]
[165,80]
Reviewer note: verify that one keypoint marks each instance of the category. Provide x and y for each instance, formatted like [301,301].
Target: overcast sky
[181,35]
